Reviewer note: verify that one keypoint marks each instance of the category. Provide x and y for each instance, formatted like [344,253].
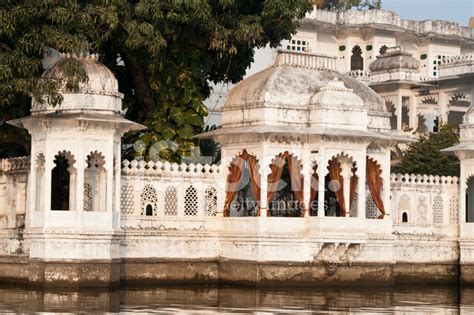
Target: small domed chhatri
[285,91]
[99,93]
[395,58]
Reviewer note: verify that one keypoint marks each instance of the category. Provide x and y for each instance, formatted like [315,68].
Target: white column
[263,194]
[322,171]
[399,105]
[347,193]
[48,167]
[361,193]
[443,107]
[307,175]
[80,166]
[307,189]
[118,177]
[385,165]
[413,113]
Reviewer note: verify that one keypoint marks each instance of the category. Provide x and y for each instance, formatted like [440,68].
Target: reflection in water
[218,300]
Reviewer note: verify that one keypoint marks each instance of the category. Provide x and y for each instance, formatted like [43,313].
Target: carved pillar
[399,105]
[443,107]
[322,171]
[413,113]
[347,193]
[361,191]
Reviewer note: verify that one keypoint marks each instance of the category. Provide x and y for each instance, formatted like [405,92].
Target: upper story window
[298,45]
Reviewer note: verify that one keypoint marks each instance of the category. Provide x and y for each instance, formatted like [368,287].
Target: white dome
[293,91]
[98,93]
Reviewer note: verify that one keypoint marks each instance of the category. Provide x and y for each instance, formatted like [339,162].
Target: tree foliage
[164,53]
[425,156]
[340,5]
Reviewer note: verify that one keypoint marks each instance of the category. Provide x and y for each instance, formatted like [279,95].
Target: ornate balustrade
[425,201]
[363,76]
[457,65]
[152,190]
[381,18]
[307,60]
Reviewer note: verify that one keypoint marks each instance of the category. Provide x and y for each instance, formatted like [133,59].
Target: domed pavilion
[76,151]
[300,139]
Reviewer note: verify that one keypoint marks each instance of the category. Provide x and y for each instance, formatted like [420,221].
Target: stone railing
[380,18]
[425,201]
[13,187]
[363,76]
[156,191]
[385,76]
[306,60]
[457,65]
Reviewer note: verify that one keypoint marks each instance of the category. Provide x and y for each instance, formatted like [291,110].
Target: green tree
[163,52]
[340,5]
[425,156]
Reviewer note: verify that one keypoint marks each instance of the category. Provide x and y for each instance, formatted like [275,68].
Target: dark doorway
[60,181]
[357,61]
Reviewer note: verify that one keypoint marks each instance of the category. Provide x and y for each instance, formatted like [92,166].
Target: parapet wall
[382,19]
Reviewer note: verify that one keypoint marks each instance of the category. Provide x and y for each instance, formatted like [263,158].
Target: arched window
[63,182]
[95,178]
[392,110]
[383,50]
[190,202]
[149,210]
[149,200]
[357,61]
[340,186]
[285,187]
[405,217]
[243,187]
[171,201]
[210,202]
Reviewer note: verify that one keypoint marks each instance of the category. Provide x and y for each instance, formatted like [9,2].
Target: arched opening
[340,187]
[457,107]
[383,50]
[374,183]
[243,187]
[149,210]
[149,201]
[393,111]
[285,187]
[405,217]
[63,182]
[357,61]
[470,200]
[95,177]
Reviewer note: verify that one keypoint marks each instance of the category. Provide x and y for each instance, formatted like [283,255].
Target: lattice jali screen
[191,202]
[149,197]
[371,208]
[454,210]
[88,197]
[210,202]
[353,211]
[126,200]
[171,201]
[438,210]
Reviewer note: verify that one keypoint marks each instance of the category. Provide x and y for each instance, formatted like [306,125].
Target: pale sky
[450,10]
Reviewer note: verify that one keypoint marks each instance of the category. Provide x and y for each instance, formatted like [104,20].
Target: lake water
[242,300]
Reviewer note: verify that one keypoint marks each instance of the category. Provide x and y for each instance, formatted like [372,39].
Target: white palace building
[303,195]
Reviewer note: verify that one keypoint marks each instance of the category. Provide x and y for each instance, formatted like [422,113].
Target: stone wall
[13,191]
[172,230]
